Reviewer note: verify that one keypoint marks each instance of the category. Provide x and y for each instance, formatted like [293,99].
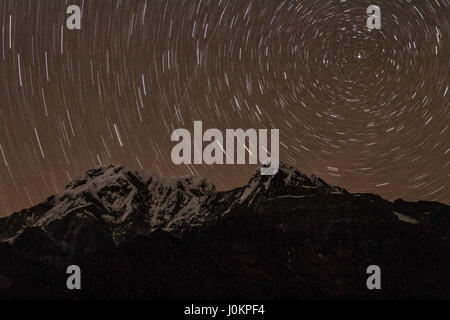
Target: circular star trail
[364,109]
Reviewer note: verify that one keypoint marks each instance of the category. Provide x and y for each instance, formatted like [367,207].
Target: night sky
[364,109]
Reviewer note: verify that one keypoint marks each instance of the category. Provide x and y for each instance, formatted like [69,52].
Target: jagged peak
[95,173]
[96,178]
[290,176]
[284,170]
[195,184]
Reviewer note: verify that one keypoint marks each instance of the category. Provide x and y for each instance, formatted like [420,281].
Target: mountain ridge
[119,192]
[287,235]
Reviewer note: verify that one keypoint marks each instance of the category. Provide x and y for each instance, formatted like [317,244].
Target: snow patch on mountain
[405,218]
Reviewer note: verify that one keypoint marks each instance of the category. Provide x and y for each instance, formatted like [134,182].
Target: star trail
[364,109]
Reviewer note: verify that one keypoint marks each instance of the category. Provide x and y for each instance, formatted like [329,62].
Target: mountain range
[137,235]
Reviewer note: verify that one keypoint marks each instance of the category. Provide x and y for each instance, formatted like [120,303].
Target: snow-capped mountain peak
[288,180]
[125,201]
